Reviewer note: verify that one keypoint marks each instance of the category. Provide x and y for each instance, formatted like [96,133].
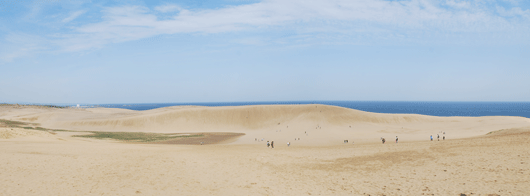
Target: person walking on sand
[396,139]
[268,144]
[383,140]
[288,144]
[272,144]
[438,137]
[431,138]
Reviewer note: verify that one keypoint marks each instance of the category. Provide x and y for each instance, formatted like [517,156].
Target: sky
[98,52]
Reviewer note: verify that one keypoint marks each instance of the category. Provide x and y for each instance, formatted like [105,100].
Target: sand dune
[10,133]
[313,124]
[54,163]
[496,164]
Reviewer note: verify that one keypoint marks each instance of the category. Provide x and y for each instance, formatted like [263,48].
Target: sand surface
[469,161]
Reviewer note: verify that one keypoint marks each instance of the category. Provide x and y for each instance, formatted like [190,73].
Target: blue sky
[274,50]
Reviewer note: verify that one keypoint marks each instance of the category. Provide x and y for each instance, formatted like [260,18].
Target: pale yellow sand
[39,163]
[313,124]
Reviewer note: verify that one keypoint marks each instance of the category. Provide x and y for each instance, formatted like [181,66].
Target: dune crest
[313,123]
[237,117]
[38,160]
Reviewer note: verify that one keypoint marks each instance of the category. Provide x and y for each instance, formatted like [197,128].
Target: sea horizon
[432,108]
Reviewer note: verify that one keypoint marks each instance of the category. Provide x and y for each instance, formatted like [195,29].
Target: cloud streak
[73,16]
[416,19]
[168,8]
[135,22]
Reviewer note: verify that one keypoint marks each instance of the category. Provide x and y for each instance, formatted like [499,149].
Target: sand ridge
[9,133]
[470,161]
[314,124]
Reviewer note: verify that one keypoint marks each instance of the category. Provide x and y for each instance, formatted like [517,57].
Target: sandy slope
[313,124]
[9,133]
[496,164]
[39,163]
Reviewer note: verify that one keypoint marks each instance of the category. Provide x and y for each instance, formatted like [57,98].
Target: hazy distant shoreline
[390,107]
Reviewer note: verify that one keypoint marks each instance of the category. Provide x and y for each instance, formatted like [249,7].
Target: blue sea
[427,108]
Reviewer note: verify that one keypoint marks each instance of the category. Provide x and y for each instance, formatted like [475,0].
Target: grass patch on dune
[491,132]
[138,137]
[23,125]
[63,130]
[135,136]
[37,128]
[10,123]
[44,129]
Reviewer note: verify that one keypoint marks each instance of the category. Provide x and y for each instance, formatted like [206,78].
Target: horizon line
[271,102]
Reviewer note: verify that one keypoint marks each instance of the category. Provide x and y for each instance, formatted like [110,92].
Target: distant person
[396,139]
[272,144]
[444,137]
[383,140]
[288,144]
[256,139]
[438,137]
[431,138]
[268,144]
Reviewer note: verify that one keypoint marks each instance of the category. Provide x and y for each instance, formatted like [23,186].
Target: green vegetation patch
[23,125]
[10,123]
[491,132]
[136,136]
[62,130]
[43,129]
[52,106]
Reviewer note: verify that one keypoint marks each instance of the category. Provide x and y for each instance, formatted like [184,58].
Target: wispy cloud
[458,4]
[136,22]
[416,19]
[513,2]
[168,8]
[20,45]
[73,16]
[514,12]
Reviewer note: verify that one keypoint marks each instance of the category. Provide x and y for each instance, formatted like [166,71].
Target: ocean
[427,108]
